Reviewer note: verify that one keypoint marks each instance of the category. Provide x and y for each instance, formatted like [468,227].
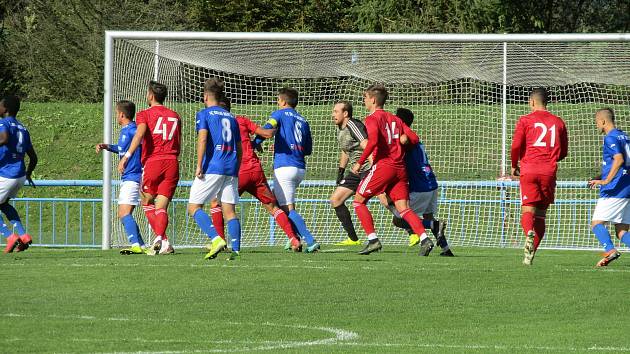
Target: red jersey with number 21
[540,141]
[162,141]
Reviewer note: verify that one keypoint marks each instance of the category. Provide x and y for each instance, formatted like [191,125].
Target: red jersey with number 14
[384,130]
[162,140]
[540,141]
[249,160]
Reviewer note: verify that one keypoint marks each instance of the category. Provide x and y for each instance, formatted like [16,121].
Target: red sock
[161,222]
[285,224]
[365,217]
[527,222]
[149,211]
[539,229]
[414,221]
[217,221]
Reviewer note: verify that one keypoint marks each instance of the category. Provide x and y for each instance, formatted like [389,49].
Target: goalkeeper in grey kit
[352,138]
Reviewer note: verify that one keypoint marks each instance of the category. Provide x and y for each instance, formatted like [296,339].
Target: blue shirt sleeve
[200,121]
[613,145]
[4,127]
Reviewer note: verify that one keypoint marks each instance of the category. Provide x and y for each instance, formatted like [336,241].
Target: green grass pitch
[483,301]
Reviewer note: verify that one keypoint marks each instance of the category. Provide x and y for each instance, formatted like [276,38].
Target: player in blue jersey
[614,194]
[219,152]
[292,143]
[423,193]
[15,143]
[130,186]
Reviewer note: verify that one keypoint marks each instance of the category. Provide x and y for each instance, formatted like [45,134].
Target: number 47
[160,128]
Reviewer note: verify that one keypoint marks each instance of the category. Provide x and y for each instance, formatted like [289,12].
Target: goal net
[466,96]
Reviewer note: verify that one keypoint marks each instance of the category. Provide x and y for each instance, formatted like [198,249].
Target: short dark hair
[225,103]
[12,104]
[379,92]
[540,94]
[215,87]
[127,108]
[158,90]
[609,113]
[290,95]
[347,107]
[406,115]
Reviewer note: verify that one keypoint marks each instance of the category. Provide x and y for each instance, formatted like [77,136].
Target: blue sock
[13,217]
[140,240]
[205,224]
[4,230]
[131,228]
[299,223]
[625,239]
[427,223]
[602,234]
[234,230]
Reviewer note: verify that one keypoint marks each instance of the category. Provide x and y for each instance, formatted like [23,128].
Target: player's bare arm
[202,139]
[141,129]
[265,133]
[32,163]
[617,163]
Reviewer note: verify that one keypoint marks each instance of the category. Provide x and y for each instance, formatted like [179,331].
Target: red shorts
[160,177]
[537,190]
[255,183]
[385,179]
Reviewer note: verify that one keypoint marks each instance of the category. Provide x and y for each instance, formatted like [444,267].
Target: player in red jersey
[159,131]
[251,179]
[540,141]
[388,174]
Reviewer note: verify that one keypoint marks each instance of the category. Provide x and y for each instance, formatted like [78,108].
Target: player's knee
[427,216]
[595,223]
[123,213]
[192,209]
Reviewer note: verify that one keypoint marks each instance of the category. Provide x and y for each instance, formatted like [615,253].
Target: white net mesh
[456,93]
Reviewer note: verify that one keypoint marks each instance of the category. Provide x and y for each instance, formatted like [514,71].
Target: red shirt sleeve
[372,132]
[413,137]
[564,143]
[518,142]
[251,126]
[140,118]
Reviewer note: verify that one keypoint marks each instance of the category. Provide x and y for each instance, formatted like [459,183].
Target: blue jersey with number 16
[12,163]
[616,142]
[223,135]
[293,139]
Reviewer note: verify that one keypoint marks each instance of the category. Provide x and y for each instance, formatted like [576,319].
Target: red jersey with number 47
[162,141]
[540,141]
[384,130]
[250,160]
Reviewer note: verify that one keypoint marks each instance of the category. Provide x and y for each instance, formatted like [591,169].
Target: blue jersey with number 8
[616,142]
[293,139]
[223,135]
[12,163]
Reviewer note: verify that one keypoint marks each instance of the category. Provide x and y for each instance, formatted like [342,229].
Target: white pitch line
[340,335]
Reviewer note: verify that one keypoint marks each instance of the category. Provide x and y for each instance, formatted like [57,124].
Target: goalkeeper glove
[340,174]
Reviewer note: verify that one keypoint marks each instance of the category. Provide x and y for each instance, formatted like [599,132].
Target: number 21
[539,141]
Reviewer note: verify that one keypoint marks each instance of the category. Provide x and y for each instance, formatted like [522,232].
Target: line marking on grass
[340,335]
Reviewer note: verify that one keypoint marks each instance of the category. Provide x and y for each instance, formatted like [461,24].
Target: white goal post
[466,90]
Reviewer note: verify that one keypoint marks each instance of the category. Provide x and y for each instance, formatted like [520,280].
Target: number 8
[226,132]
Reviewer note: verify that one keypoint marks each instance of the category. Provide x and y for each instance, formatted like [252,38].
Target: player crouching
[614,201]
[423,194]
